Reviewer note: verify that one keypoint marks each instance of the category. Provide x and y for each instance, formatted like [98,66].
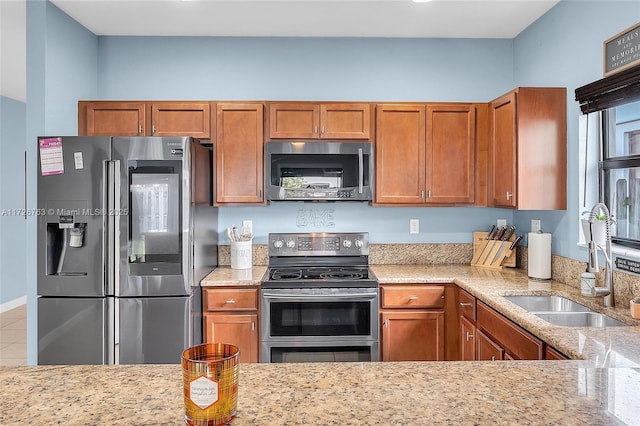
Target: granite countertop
[407,393]
[603,347]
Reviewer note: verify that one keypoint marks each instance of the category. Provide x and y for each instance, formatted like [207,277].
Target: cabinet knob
[230,302]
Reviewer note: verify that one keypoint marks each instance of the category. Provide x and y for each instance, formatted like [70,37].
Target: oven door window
[320,319]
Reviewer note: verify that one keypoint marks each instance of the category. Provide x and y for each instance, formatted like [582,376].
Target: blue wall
[13,283]
[62,58]
[318,69]
[564,48]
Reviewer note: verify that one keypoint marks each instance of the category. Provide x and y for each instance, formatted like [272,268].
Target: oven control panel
[319,244]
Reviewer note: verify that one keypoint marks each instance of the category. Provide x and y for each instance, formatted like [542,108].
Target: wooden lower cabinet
[418,322]
[230,315]
[516,342]
[487,349]
[552,354]
[467,340]
[240,330]
[413,336]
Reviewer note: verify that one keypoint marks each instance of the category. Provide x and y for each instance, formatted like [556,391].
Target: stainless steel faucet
[607,290]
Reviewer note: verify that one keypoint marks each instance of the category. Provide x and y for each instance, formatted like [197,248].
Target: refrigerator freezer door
[72,331]
[71,216]
[152,330]
[153,238]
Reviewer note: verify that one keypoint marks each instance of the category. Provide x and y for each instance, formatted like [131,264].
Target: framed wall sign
[622,51]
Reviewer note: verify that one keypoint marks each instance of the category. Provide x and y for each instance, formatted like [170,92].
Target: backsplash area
[563,269]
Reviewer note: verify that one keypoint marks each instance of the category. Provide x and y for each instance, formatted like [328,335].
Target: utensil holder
[489,249]
[241,254]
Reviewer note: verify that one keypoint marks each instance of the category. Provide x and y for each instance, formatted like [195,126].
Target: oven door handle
[364,296]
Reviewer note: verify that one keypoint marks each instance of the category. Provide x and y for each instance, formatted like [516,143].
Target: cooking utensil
[492,246]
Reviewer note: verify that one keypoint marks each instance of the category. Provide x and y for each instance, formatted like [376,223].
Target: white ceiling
[308,18]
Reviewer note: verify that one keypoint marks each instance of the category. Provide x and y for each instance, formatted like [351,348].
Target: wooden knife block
[509,255]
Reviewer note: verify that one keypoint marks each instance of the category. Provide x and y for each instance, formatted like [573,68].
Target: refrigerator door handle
[107,227]
[113,331]
[113,216]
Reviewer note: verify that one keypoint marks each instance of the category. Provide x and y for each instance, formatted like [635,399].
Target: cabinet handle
[139,128]
[385,323]
[322,130]
[413,297]
[253,326]
[429,194]
[315,129]
[509,195]
[493,358]
[469,336]
[422,194]
[465,304]
[230,302]
[153,129]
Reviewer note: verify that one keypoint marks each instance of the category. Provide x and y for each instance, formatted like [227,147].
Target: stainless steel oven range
[319,299]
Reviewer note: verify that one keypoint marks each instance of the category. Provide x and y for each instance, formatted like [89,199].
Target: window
[620,182]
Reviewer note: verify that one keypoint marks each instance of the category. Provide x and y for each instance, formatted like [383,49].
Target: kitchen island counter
[524,392]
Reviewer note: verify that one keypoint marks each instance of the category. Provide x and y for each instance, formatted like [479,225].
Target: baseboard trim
[12,304]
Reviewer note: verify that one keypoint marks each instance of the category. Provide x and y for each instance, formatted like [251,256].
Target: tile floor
[13,336]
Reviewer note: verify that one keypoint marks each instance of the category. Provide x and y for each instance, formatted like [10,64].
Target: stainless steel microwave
[319,171]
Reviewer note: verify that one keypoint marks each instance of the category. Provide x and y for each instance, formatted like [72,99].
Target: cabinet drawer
[405,296]
[467,304]
[512,337]
[230,299]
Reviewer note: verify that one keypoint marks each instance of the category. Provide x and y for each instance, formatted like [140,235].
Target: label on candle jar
[203,392]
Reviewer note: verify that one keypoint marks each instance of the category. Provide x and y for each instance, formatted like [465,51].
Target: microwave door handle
[361,170]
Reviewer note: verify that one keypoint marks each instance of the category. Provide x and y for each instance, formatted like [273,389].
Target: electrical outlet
[414,226]
[535,226]
[502,222]
[247,225]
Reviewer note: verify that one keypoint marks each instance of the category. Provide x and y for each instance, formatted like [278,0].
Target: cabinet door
[180,119]
[115,119]
[237,329]
[487,349]
[294,120]
[467,340]
[503,151]
[413,336]
[239,153]
[345,121]
[400,154]
[552,354]
[450,153]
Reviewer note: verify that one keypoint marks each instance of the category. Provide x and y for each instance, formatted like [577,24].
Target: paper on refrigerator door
[51,157]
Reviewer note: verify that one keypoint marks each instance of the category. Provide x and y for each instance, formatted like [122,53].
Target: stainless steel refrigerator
[125,233]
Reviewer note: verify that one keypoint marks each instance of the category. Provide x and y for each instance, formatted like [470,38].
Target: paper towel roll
[539,255]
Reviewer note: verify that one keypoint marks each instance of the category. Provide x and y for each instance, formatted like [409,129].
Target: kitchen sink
[559,310]
[547,304]
[579,319]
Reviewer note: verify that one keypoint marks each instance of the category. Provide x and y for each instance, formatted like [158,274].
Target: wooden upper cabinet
[111,118]
[302,120]
[161,118]
[450,154]
[239,153]
[400,154]
[180,119]
[528,152]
